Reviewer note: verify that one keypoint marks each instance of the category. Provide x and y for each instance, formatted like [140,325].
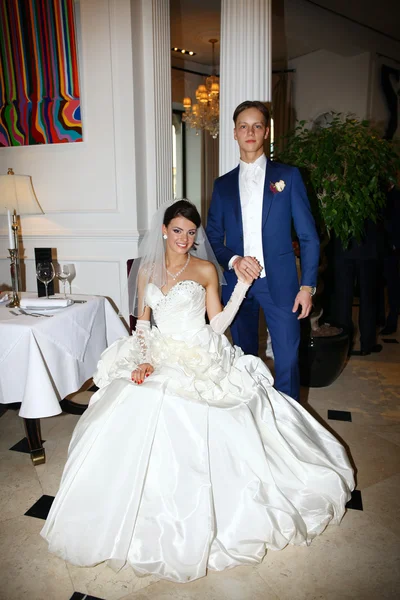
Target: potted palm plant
[346,166]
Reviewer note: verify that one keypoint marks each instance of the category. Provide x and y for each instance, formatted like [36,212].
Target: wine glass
[62,274]
[72,275]
[45,274]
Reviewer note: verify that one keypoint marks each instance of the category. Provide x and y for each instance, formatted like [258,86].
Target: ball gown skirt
[203,466]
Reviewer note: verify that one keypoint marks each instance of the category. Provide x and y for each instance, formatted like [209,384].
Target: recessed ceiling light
[183,51]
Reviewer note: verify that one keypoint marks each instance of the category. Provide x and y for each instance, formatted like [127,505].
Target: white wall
[87,190]
[325,82]
[337,64]
[309,27]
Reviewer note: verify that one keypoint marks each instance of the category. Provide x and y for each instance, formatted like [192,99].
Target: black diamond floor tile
[339,415]
[94,388]
[23,446]
[356,501]
[80,596]
[390,341]
[41,508]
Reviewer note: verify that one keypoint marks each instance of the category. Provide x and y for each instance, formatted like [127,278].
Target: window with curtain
[282,106]
[178,155]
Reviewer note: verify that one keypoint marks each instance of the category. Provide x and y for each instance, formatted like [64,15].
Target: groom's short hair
[252,104]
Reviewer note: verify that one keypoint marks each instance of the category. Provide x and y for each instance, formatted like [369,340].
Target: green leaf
[351,163]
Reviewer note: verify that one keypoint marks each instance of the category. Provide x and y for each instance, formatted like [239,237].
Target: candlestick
[14,259]
[11,239]
[14,227]
[16,246]
[14,277]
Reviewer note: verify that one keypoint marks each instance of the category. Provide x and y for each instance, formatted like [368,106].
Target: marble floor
[358,560]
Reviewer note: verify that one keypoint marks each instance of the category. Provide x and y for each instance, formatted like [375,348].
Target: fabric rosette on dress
[205,368]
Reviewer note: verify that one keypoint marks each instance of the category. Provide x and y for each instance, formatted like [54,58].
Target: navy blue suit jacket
[225,230]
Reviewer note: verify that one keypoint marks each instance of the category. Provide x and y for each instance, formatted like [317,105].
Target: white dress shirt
[251,190]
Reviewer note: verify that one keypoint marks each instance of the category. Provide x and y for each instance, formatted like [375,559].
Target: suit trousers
[346,270]
[283,327]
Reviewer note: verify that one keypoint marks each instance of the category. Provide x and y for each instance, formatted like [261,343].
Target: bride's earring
[165,236]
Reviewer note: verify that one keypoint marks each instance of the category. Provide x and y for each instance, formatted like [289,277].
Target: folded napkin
[4,298]
[45,302]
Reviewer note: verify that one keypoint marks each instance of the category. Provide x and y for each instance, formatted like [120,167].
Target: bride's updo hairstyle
[182,208]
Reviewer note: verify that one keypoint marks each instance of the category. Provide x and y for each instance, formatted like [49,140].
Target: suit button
[241,237]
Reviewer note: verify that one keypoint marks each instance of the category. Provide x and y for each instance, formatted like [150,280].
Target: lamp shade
[17,193]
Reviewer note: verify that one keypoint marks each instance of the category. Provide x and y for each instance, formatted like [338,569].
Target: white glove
[222,320]
[142,334]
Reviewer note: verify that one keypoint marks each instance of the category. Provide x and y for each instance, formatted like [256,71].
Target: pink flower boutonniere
[278,186]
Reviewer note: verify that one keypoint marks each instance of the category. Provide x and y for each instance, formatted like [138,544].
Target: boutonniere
[278,186]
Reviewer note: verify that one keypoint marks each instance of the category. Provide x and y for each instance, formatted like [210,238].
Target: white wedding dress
[203,466]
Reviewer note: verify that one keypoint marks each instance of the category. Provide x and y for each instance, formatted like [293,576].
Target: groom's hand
[247,266]
[303,299]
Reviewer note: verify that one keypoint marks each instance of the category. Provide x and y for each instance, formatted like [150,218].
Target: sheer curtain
[209,171]
[282,106]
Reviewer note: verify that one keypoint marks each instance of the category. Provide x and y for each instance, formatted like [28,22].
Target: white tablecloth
[42,360]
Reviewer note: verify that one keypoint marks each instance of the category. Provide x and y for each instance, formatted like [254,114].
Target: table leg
[34,436]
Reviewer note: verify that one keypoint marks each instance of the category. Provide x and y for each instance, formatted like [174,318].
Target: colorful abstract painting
[39,84]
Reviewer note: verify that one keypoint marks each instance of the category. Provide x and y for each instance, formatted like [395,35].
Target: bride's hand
[141,372]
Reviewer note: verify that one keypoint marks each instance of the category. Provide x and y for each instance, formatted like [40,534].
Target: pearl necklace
[179,272]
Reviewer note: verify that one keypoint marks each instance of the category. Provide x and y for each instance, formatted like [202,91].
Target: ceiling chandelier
[204,114]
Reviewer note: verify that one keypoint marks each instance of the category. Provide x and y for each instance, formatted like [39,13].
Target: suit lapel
[268,195]
[235,194]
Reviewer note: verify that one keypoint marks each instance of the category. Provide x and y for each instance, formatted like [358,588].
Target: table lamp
[17,197]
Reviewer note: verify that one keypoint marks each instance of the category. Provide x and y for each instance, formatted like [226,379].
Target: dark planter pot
[321,359]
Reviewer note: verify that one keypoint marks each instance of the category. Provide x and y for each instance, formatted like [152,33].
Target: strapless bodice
[179,311]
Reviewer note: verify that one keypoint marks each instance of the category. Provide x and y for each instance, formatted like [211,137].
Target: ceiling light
[183,51]
[204,114]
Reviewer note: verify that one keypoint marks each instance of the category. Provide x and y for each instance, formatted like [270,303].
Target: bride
[187,458]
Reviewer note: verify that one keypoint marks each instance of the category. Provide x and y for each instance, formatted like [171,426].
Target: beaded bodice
[181,310]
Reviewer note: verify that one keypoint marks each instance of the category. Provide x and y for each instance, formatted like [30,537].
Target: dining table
[47,354]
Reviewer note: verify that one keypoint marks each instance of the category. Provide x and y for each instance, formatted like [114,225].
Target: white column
[153,105]
[245,66]
[162,99]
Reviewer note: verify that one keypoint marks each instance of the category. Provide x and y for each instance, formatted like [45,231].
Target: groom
[250,225]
